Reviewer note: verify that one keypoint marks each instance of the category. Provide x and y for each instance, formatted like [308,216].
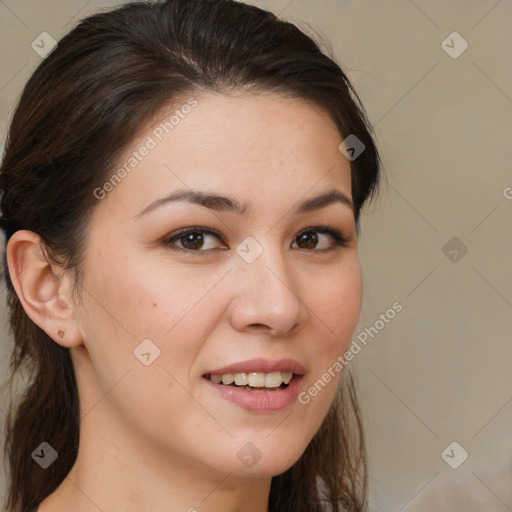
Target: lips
[262,401]
[259,399]
[260,365]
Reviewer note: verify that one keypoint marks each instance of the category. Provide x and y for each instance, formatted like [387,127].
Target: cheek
[175,308]
[334,307]
[126,306]
[148,302]
[334,312]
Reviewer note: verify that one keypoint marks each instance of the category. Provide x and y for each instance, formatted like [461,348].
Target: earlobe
[44,290]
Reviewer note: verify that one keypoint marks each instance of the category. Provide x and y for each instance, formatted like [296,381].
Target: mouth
[258,385]
[257,382]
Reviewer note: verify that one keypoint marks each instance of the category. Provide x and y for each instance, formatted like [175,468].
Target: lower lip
[262,401]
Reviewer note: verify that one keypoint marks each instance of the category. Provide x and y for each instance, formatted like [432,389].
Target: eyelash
[339,240]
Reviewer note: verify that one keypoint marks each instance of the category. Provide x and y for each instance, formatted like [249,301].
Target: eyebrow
[228,204]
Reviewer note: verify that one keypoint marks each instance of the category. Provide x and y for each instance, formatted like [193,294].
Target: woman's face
[266,289]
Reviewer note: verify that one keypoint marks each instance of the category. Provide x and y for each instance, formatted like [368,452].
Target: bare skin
[156,438]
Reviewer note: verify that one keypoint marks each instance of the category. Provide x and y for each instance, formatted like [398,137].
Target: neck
[135,483]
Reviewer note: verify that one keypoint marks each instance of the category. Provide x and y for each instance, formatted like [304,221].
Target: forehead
[250,145]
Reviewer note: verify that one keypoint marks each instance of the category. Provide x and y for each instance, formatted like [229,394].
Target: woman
[181,193]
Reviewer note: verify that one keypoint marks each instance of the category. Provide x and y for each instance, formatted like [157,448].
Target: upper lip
[261,365]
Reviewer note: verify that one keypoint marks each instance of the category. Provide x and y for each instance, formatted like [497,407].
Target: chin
[263,470]
[261,458]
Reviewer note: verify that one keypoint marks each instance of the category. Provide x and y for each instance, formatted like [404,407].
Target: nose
[267,296]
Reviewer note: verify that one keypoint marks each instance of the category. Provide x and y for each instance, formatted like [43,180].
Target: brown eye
[309,239]
[194,240]
[312,237]
[201,240]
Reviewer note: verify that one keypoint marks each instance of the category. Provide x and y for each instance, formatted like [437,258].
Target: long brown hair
[80,109]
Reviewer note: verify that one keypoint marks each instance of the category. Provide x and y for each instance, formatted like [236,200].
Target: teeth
[257,380]
[273,379]
[227,378]
[241,379]
[254,379]
[287,376]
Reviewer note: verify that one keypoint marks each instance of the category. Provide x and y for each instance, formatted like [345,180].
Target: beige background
[440,370]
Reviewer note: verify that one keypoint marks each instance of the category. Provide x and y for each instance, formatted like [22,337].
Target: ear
[44,289]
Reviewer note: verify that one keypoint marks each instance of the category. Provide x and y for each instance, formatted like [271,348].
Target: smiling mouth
[253,381]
